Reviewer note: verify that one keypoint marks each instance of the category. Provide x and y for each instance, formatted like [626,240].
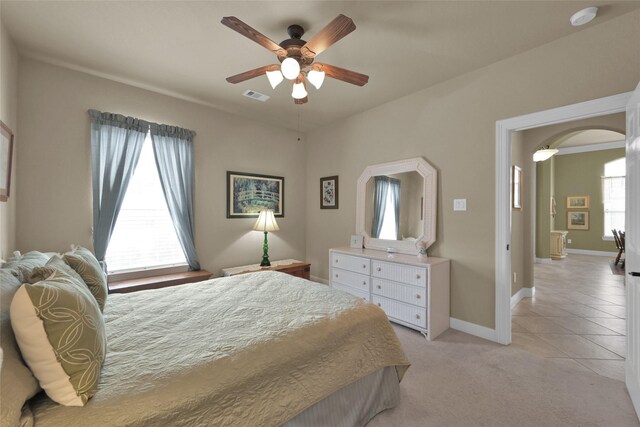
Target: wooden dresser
[289,266]
[413,291]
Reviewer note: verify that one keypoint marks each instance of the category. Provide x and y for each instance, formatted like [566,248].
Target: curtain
[394,188]
[379,204]
[116,142]
[173,149]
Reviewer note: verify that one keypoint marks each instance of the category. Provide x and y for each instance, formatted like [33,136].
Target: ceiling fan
[297,56]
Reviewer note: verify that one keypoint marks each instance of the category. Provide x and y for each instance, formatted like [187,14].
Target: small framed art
[6,154]
[329,192]
[578,220]
[248,194]
[578,202]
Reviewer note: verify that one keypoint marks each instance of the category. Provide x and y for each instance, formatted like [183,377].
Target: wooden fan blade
[344,75]
[251,74]
[252,34]
[334,31]
[301,101]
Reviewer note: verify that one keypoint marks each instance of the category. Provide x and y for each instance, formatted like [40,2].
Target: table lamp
[266,222]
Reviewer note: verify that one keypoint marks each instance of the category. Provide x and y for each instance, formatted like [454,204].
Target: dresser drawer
[415,295]
[351,263]
[349,278]
[408,274]
[405,312]
[352,291]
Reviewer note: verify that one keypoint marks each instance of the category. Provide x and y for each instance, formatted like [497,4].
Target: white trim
[583,110]
[522,293]
[472,329]
[544,261]
[591,147]
[589,252]
[319,280]
[631,381]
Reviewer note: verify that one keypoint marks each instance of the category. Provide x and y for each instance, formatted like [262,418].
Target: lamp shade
[290,68]
[275,77]
[299,91]
[316,78]
[543,154]
[266,222]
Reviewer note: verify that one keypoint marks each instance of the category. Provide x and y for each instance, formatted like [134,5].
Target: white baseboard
[544,260]
[473,329]
[588,252]
[522,293]
[319,280]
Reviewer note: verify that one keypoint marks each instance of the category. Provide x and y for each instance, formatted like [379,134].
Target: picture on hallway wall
[577,202]
[578,220]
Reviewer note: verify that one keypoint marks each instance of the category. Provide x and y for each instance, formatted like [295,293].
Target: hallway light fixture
[544,153]
[583,16]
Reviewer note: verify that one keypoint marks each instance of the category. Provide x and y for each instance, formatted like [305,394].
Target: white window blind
[144,236]
[613,195]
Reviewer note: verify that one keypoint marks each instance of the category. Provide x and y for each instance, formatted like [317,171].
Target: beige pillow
[61,333]
[17,383]
[88,267]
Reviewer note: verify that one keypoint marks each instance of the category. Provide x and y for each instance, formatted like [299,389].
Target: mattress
[254,349]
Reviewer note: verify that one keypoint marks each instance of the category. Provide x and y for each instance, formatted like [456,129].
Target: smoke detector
[583,16]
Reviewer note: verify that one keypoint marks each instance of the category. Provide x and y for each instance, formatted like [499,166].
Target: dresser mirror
[396,206]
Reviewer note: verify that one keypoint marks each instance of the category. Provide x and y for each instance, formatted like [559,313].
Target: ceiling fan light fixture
[275,78]
[316,78]
[299,91]
[290,68]
[544,153]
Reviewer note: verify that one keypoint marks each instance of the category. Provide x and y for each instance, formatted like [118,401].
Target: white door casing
[632,249]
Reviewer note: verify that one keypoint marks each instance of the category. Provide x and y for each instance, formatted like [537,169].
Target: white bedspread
[255,349]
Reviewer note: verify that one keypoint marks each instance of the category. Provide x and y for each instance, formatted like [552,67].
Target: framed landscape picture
[248,194]
[578,220]
[6,150]
[577,202]
[329,192]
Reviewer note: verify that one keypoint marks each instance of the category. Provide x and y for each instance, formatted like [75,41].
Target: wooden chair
[619,239]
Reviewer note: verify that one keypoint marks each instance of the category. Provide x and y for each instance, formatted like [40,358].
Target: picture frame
[329,192]
[577,202]
[6,157]
[249,193]
[577,220]
[516,188]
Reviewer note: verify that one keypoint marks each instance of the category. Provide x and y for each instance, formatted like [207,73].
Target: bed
[261,349]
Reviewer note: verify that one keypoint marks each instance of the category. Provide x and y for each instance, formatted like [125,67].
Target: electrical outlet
[569,241]
[459,204]
[515,277]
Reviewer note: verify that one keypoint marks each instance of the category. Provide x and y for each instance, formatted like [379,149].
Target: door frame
[504,128]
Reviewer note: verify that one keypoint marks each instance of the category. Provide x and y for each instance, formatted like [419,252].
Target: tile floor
[577,314]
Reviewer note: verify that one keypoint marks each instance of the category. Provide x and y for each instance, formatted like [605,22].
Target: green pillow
[88,267]
[21,265]
[61,334]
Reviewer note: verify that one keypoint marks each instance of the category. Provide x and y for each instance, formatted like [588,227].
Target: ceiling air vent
[256,95]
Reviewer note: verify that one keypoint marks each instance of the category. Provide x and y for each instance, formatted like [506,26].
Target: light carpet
[462,380]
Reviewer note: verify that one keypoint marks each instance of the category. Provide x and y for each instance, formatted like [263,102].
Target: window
[613,196]
[144,236]
[388,230]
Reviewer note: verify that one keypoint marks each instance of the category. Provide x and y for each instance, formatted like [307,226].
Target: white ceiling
[180,48]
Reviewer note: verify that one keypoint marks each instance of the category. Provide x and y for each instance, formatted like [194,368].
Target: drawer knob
[417,276]
[364,282]
[379,269]
[379,287]
[336,276]
[364,265]
[418,296]
[379,305]
[336,260]
[417,316]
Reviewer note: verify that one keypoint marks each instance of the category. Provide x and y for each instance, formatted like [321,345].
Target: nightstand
[289,266]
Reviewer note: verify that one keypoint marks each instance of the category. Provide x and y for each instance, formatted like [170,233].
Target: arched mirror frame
[429,196]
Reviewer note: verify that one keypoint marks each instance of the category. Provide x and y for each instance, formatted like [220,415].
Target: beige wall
[54,165]
[9,115]
[520,220]
[577,175]
[452,125]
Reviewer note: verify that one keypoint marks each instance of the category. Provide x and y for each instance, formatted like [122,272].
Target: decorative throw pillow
[17,383]
[21,265]
[88,267]
[61,333]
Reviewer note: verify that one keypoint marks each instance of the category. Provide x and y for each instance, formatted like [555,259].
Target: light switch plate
[459,204]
